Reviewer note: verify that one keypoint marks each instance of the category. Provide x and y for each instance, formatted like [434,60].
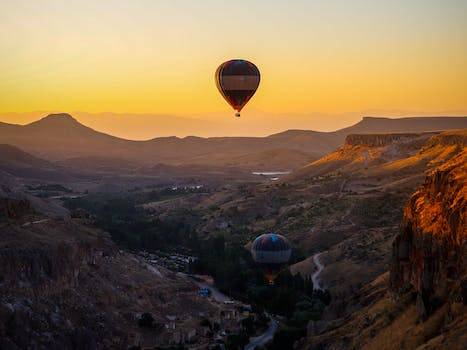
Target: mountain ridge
[58,137]
[374,154]
[366,121]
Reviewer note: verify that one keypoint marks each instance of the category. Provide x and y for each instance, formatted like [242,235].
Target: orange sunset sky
[324,64]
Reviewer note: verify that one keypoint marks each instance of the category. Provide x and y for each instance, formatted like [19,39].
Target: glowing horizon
[143,56]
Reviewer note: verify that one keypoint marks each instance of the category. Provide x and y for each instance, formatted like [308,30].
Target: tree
[248,325]
[146,320]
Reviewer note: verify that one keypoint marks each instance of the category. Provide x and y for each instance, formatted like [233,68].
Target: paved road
[221,298]
[215,293]
[35,222]
[315,276]
[264,338]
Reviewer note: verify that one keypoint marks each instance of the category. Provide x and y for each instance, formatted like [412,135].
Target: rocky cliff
[377,155]
[449,138]
[422,302]
[380,140]
[429,255]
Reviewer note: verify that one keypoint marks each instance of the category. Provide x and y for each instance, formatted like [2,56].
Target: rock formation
[422,302]
[380,140]
[429,255]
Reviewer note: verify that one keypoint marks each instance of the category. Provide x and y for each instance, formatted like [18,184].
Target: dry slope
[423,303]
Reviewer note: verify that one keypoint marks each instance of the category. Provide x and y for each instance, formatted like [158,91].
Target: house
[191,335]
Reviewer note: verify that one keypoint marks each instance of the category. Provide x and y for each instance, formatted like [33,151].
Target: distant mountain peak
[371,125]
[58,121]
[58,117]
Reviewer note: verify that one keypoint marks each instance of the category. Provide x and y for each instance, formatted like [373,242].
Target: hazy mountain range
[144,126]
[60,137]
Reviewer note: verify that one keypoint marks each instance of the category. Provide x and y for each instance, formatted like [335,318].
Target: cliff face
[429,255]
[449,138]
[380,140]
[387,155]
[426,307]
[381,154]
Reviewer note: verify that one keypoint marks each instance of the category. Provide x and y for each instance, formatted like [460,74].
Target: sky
[323,62]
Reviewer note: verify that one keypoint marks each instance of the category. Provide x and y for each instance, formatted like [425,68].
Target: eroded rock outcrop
[380,140]
[450,138]
[430,253]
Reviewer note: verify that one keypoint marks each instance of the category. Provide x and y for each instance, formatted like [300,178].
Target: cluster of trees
[236,274]
[130,225]
[229,263]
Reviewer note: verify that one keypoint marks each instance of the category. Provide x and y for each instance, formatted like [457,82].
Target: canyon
[421,302]
[377,220]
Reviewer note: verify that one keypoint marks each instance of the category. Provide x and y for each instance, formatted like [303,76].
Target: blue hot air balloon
[272,252]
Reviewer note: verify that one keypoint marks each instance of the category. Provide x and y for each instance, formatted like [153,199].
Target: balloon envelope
[271,251]
[237,80]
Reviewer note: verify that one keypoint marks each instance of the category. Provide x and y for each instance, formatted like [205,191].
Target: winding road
[264,338]
[220,297]
[315,276]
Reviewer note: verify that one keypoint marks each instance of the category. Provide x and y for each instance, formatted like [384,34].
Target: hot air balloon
[271,251]
[237,81]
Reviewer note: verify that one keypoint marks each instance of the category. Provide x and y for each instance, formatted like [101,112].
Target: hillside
[60,137]
[422,303]
[66,285]
[17,163]
[14,156]
[384,154]
[347,213]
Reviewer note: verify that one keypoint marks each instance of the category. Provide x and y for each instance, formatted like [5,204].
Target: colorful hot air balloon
[237,81]
[271,251]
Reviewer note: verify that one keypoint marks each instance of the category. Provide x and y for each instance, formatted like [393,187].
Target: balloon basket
[237,114]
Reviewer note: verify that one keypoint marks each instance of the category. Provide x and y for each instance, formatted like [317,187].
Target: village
[214,327]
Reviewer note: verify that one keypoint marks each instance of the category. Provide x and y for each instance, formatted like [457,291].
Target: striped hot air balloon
[271,251]
[237,81]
